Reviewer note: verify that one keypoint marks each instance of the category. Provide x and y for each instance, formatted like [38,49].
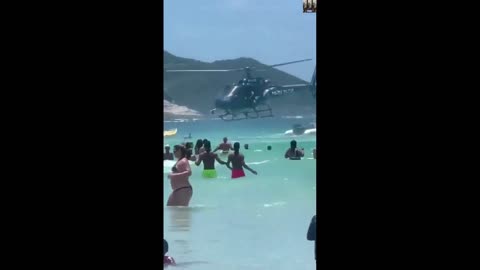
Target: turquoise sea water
[257,222]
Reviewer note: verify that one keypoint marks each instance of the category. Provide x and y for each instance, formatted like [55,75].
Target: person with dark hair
[197,147]
[293,153]
[202,149]
[312,233]
[245,146]
[182,190]
[225,146]
[167,260]
[238,162]
[208,159]
[167,155]
[269,147]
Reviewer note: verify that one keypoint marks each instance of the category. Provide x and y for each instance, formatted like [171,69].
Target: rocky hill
[197,91]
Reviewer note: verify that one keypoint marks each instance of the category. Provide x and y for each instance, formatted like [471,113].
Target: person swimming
[293,153]
[245,146]
[167,260]
[225,146]
[269,147]
[182,190]
[208,159]
[238,162]
[167,155]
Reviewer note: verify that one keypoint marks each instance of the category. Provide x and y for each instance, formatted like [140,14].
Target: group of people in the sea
[202,152]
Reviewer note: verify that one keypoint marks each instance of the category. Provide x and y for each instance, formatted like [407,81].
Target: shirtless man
[238,162]
[208,159]
[293,153]
[225,146]
[182,190]
[167,155]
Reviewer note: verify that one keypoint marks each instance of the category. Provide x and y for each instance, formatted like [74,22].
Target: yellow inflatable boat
[169,133]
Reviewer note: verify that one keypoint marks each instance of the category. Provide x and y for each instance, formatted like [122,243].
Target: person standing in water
[238,162]
[167,155]
[293,153]
[182,190]
[208,159]
[225,146]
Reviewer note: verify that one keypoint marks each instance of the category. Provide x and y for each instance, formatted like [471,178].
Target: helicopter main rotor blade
[288,63]
[200,70]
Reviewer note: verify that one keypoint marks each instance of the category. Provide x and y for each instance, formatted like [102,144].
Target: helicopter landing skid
[253,114]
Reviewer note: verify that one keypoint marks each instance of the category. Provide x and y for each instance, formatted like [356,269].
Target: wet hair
[245,146]
[225,139]
[236,148]
[204,141]
[189,145]
[207,146]
[165,247]
[269,147]
[199,144]
[293,144]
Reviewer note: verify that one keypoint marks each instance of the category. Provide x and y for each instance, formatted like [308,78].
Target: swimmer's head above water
[165,247]
[236,147]
[207,146]
[167,148]
[293,144]
[225,140]
[245,146]
[269,147]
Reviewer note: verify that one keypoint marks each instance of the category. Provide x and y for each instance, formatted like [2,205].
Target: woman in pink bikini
[182,190]
[238,162]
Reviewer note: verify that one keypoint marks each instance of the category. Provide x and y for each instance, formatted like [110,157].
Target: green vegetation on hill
[199,90]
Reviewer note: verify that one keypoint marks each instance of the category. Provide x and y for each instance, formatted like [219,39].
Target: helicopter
[247,99]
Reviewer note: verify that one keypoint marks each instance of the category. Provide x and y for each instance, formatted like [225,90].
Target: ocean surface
[256,222]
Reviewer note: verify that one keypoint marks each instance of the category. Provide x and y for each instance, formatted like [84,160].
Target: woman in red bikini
[238,162]
[182,190]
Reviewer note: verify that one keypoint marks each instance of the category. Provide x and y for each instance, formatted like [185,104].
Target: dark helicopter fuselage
[247,93]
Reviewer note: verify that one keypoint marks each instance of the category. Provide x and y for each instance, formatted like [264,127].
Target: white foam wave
[258,162]
[274,204]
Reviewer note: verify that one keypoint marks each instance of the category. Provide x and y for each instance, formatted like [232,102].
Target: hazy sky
[270,31]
